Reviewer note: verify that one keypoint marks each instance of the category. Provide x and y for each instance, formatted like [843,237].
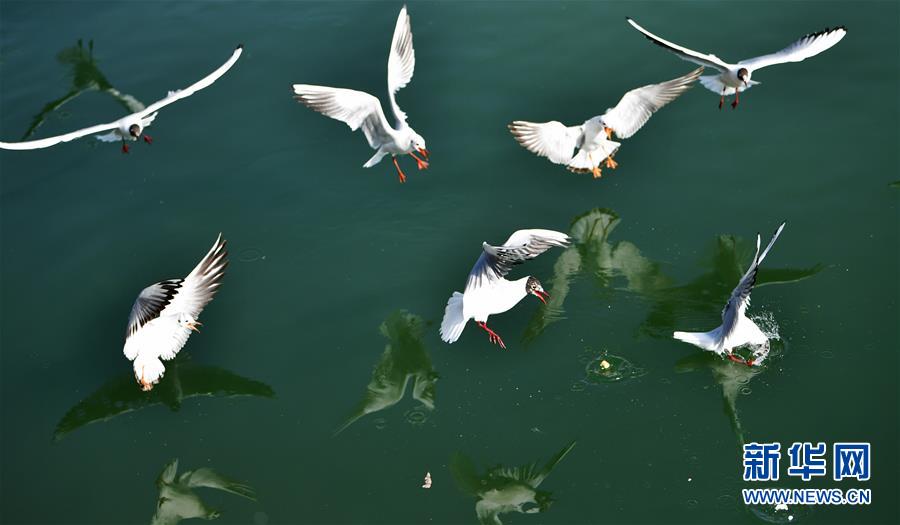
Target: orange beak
[193,326]
[609,132]
[423,151]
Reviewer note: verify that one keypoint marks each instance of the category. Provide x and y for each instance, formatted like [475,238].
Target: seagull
[488,293]
[733,78]
[736,329]
[130,127]
[592,141]
[165,313]
[358,109]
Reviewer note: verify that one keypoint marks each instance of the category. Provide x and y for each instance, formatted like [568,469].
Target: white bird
[736,329]
[165,313]
[130,127]
[358,109]
[488,293]
[734,78]
[592,141]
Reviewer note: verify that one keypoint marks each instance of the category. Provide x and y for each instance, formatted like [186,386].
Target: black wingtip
[629,19]
[240,46]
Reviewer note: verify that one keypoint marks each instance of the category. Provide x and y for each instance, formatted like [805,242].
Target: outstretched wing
[199,287]
[150,303]
[354,108]
[195,87]
[703,59]
[636,107]
[740,296]
[810,45]
[52,141]
[401,62]
[209,478]
[548,139]
[496,261]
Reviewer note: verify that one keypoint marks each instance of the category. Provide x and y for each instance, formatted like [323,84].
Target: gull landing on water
[130,127]
[358,109]
[736,329]
[734,78]
[488,293]
[592,139]
[165,313]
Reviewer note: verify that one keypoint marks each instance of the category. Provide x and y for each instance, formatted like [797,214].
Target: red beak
[543,296]
[424,152]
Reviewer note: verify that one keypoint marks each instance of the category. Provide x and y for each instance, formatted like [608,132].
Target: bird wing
[199,287]
[354,108]
[196,86]
[209,478]
[807,46]
[401,62]
[548,139]
[740,296]
[150,303]
[703,59]
[52,141]
[636,107]
[496,261]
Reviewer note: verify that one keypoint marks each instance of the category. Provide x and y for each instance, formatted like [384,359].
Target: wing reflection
[178,501]
[593,255]
[405,358]
[502,490]
[86,76]
[183,380]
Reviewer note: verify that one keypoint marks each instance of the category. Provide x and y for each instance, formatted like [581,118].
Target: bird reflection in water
[593,255]
[182,381]
[86,77]
[178,501]
[502,490]
[404,359]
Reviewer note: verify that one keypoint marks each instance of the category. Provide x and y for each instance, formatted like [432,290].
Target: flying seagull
[734,78]
[488,293]
[165,313]
[130,127]
[736,329]
[592,141]
[358,109]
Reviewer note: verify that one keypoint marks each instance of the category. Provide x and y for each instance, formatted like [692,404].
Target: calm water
[327,319]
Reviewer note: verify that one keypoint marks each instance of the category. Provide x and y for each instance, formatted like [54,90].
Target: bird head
[743,75]
[533,286]
[188,321]
[134,130]
[419,144]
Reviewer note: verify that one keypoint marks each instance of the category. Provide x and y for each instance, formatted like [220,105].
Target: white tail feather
[376,158]
[454,322]
[707,340]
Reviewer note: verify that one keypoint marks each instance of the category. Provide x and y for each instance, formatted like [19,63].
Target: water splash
[602,367]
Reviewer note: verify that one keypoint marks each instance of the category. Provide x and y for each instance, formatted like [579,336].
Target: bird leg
[594,169]
[737,97]
[736,359]
[124,147]
[148,139]
[492,335]
[422,164]
[722,98]
[399,171]
[610,163]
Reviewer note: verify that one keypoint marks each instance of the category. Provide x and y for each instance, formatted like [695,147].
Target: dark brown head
[533,287]
[134,130]
[743,75]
